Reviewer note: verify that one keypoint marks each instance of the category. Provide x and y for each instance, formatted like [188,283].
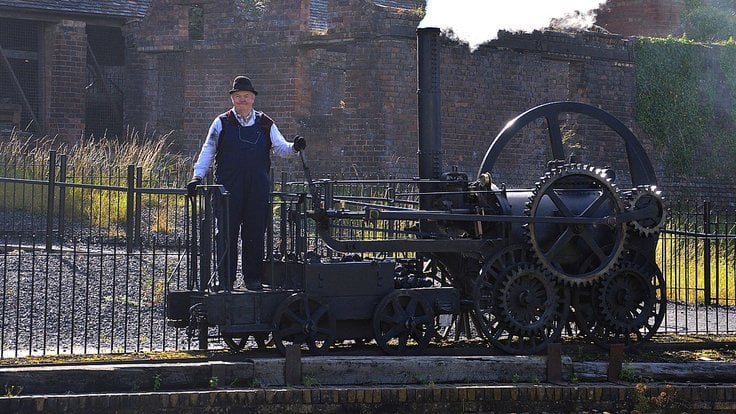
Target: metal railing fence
[697,254]
[86,255]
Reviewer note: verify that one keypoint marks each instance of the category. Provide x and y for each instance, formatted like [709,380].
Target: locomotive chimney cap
[242,83]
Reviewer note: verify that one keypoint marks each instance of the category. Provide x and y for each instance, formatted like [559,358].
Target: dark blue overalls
[242,166]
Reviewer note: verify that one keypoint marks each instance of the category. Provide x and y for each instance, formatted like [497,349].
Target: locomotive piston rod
[648,211]
[446,244]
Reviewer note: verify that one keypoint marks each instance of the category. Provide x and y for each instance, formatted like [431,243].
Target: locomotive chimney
[428,80]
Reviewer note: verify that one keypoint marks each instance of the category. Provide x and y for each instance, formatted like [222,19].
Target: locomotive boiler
[573,252]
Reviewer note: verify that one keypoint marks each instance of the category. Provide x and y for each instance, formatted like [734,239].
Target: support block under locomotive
[575,252]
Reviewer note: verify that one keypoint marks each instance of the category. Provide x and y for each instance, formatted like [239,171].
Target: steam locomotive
[515,268]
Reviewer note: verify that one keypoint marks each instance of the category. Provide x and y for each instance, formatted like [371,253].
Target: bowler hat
[242,83]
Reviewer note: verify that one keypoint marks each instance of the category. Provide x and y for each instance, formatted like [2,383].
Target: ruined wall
[485,89]
[350,89]
[330,86]
[180,84]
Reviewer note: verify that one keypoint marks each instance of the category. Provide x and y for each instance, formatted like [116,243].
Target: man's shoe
[254,286]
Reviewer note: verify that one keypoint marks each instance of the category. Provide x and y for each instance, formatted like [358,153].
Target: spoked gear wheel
[576,253]
[303,320]
[649,198]
[627,307]
[506,306]
[528,300]
[486,289]
[632,297]
[403,323]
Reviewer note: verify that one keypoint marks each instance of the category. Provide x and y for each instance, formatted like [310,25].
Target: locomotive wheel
[576,254]
[461,324]
[648,197]
[403,323]
[237,344]
[303,320]
[628,307]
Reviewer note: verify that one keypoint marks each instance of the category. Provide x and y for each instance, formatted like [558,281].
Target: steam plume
[478,21]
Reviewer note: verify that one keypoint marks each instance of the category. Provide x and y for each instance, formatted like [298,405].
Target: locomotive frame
[574,252]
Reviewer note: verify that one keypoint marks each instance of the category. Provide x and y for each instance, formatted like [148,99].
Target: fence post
[129,220]
[282,218]
[138,205]
[50,200]
[205,242]
[193,243]
[62,196]
[706,253]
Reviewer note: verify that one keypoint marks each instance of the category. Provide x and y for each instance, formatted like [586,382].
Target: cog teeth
[643,193]
[515,313]
[597,181]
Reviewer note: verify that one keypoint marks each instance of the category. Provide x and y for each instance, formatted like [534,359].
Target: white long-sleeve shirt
[279,145]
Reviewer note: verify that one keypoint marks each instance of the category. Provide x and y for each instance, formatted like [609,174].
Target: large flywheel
[640,167]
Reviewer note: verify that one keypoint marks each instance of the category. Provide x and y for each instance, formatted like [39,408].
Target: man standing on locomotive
[240,142]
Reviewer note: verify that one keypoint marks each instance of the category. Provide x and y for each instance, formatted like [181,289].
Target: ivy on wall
[668,106]
[686,96]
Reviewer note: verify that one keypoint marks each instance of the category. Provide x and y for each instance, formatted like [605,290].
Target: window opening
[104,97]
[19,74]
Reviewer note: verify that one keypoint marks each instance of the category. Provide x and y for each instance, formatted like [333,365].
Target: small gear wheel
[574,251]
[627,297]
[487,287]
[528,300]
[649,198]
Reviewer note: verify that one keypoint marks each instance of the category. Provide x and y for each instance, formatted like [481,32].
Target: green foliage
[668,105]
[686,90]
[711,22]
[157,382]
[196,22]
[685,101]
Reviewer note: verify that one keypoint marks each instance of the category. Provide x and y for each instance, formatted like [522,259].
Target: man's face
[243,101]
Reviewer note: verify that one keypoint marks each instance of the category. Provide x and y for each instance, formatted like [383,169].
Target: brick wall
[657,18]
[433,398]
[64,80]
[180,84]
[519,71]
[350,88]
